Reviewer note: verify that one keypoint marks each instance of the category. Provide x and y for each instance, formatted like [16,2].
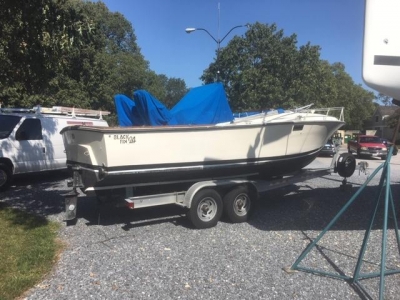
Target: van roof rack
[73,111]
[58,110]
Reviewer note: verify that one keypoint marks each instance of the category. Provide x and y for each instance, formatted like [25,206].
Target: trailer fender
[225,183]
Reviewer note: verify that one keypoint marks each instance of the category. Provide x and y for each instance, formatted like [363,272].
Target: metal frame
[184,198]
[384,187]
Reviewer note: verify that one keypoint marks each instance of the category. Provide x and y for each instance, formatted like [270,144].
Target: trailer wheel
[346,165]
[238,204]
[206,209]
[5,177]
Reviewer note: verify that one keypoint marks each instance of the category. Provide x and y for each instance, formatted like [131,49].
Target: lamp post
[218,41]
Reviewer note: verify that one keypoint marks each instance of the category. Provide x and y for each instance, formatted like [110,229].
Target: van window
[30,129]
[7,124]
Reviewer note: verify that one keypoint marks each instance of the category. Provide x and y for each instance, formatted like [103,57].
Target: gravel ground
[156,254]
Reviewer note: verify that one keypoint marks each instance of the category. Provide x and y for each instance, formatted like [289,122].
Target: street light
[218,41]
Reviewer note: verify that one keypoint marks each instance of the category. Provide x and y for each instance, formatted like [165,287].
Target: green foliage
[78,53]
[168,90]
[266,69]
[393,119]
[385,100]
[71,53]
[174,88]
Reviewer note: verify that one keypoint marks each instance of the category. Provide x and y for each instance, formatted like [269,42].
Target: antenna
[219,17]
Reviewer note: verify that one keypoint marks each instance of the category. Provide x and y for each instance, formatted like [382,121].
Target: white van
[30,139]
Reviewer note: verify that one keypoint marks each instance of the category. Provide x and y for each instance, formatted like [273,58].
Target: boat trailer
[205,201]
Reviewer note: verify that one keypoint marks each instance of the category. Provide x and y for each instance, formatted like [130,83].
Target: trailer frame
[206,200]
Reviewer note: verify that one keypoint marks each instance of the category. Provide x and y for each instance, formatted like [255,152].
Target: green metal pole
[384,234]
[333,221]
[384,185]
[356,273]
[396,227]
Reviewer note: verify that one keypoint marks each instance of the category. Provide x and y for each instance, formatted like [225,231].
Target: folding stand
[384,186]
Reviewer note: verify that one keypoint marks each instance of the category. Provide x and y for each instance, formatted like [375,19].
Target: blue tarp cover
[144,109]
[126,110]
[201,105]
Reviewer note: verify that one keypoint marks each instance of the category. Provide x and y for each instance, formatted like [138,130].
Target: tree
[266,69]
[385,100]
[168,90]
[109,63]
[174,88]
[357,101]
[34,37]
[71,52]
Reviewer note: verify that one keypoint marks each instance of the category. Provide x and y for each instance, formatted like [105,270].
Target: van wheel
[238,204]
[206,209]
[5,177]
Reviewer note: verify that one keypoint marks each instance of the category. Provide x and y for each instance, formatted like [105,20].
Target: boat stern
[84,146]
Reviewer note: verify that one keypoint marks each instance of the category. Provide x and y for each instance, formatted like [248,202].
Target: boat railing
[305,111]
[256,116]
[337,112]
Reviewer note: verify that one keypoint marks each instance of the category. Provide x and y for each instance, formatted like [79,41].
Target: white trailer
[206,201]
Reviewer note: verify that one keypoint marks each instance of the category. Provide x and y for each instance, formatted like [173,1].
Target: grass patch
[28,250]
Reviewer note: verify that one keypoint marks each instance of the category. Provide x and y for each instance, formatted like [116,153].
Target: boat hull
[111,157]
[98,178]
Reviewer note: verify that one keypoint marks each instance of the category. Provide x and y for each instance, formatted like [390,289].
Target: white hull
[244,147]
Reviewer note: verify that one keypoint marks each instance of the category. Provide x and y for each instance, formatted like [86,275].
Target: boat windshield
[7,124]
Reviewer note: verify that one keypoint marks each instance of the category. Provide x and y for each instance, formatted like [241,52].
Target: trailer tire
[346,165]
[206,209]
[5,177]
[238,204]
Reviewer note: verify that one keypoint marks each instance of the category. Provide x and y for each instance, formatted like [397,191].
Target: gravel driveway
[156,254]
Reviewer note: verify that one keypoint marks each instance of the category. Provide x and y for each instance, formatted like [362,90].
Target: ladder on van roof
[58,110]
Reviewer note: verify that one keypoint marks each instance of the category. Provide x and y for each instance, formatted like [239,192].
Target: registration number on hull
[125,138]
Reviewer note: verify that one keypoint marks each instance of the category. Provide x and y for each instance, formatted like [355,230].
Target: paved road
[156,254]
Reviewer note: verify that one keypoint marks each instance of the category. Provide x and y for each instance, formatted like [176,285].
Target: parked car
[367,146]
[329,149]
[390,144]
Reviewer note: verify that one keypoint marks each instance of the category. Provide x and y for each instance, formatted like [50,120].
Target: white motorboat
[261,146]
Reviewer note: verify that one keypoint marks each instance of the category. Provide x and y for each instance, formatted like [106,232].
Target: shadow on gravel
[37,193]
[108,214]
[289,208]
[285,209]
[313,209]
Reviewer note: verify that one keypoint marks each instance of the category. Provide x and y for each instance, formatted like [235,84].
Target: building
[378,123]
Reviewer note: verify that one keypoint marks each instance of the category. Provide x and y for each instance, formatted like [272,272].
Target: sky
[159,25]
